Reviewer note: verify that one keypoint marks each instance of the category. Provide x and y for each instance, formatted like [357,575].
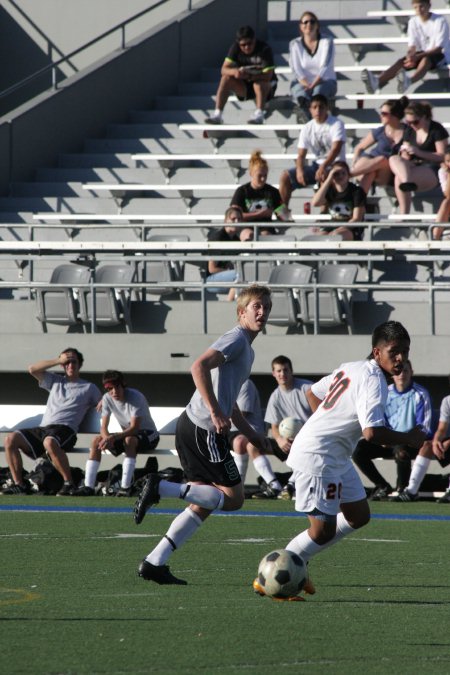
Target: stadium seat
[112,305]
[60,305]
[284,301]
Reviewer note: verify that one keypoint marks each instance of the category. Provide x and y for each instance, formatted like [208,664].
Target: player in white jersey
[347,403]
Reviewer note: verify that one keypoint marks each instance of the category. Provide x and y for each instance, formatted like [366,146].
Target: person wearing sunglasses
[311,57]
[343,200]
[138,432]
[422,151]
[428,49]
[248,72]
[372,166]
[70,398]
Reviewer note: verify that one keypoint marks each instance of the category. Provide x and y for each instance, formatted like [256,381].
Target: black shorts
[147,441]
[64,435]
[445,461]
[205,455]
[277,451]
[436,60]
[251,95]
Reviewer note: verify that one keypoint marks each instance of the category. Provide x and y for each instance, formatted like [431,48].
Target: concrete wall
[152,65]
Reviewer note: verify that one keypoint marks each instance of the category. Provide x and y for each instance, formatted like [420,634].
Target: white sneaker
[257,117]
[216,118]
[371,81]
[403,81]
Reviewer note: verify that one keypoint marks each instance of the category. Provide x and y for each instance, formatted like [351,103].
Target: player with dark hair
[138,432]
[347,403]
[69,400]
[202,439]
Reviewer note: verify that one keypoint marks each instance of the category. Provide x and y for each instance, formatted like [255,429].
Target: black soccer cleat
[161,574]
[149,495]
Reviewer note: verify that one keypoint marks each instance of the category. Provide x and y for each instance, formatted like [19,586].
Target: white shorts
[327,494]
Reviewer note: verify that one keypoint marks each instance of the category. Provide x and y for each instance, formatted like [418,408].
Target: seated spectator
[138,434]
[372,166]
[324,137]
[70,398]
[343,200]
[249,72]
[287,400]
[443,215]
[311,57]
[408,406]
[428,49]
[258,200]
[416,166]
[222,270]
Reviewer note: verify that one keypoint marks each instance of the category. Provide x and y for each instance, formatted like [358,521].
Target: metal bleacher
[166,171]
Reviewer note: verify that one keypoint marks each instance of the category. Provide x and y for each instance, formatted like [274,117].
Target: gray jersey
[227,379]
[68,402]
[134,405]
[250,406]
[291,403]
[444,413]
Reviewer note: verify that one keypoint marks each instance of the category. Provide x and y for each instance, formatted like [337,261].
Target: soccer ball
[282,574]
[289,427]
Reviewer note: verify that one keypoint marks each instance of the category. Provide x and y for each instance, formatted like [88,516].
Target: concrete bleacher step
[149,174]
[88,160]
[157,130]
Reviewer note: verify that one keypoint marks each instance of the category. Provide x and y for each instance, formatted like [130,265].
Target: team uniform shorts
[63,435]
[326,494]
[205,455]
[147,441]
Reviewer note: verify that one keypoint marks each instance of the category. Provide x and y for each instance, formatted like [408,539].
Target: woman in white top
[311,57]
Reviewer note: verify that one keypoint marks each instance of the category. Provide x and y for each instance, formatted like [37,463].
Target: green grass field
[71,601]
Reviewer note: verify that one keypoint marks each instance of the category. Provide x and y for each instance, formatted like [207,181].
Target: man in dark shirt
[249,72]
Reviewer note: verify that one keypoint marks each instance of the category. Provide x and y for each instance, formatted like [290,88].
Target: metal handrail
[53,66]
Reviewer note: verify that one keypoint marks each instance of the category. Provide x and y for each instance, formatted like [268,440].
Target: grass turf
[71,601]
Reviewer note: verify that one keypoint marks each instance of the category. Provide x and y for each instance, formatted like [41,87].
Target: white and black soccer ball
[340,211]
[289,427]
[282,574]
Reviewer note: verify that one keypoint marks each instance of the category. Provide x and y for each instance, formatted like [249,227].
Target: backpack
[44,478]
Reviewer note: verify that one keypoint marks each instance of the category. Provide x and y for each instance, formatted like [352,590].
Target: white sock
[217,113]
[418,471]
[181,529]
[264,468]
[242,464]
[91,471]
[305,547]
[207,496]
[128,467]
[203,495]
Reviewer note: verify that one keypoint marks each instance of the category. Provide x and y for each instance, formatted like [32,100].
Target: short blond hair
[253,292]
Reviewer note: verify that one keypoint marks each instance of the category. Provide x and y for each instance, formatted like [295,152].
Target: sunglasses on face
[413,122]
[71,361]
[247,43]
[384,113]
[312,22]
[110,386]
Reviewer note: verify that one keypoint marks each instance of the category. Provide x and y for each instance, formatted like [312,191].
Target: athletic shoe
[123,492]
[309,587]
[216,118]
[371,81]
[161,574]
[15,489]
[257,117]
[149,496]
[67,490]
[301,114]
[260,591]
[267,493]
[403,81]
[84,491]
[445,499]
[287,493]
[405,496]
[381,493]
